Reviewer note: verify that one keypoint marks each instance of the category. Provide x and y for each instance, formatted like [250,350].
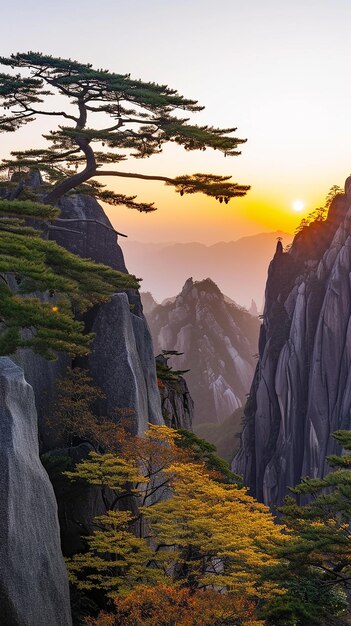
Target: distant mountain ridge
[239,268]
[218,342]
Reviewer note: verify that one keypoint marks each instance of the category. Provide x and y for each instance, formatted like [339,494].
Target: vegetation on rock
[31,265]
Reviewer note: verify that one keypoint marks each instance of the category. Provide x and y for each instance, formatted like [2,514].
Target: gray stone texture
[176,401]
[122,364]
[92,233]
[84,229]
[33,579]
[218,340]
[301,392]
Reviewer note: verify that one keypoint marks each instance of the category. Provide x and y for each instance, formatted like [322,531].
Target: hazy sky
[276,69]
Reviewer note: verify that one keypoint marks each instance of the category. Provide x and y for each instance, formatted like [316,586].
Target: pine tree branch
[165,179]
[61,219]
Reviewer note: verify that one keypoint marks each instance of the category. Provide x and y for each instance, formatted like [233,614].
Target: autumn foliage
[182,543]
[188,530]
[164,605]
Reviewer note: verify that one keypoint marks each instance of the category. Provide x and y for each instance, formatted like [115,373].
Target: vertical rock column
[33,579]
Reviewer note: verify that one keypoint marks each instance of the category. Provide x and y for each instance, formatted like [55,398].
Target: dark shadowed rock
[92,236]
[33,578]
[78,502]
[176,401]
[302,388]
[42,376]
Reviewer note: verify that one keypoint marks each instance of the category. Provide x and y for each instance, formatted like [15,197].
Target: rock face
[122,359]
[92,233]
[218,341]
[33,578]
[122,363]
[301,392]
[176,401]
[148,302]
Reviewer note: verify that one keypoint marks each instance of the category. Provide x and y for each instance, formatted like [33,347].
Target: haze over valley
[239,268]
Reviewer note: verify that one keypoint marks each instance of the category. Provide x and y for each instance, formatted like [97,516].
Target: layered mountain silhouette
[165,267]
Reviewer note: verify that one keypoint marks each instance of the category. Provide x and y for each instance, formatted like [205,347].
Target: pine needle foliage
[316,565]
[324,523]
[116,559]
[140,119]
[31,265]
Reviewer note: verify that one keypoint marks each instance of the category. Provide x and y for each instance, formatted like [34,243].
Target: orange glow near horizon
[203,219]
[282,80]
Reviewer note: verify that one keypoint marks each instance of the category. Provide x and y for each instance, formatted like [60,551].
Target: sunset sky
[276,69]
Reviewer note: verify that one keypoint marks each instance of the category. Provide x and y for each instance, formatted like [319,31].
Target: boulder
[33,579]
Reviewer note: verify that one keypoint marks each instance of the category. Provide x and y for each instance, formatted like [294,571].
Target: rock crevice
[33,578]
[301,391]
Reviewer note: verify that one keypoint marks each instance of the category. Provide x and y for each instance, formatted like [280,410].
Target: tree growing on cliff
[316,565]
[30,264]
[202,533]
[139,121]
[324,523]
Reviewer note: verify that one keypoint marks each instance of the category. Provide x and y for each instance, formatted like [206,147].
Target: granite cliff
[301,391]
[33,577]
[122,349]
[218,341]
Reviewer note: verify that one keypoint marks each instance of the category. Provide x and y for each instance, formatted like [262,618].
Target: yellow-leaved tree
[187,530]
[216,534]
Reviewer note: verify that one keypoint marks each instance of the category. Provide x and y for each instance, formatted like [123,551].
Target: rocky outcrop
[33,579]
[302,387]
[217,340]
[148,302]
[87,231]
[122,358]
[123,366]
[176,401]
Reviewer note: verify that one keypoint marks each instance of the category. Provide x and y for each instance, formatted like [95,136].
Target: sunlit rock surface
[218,341]
[302,387]
[33,578]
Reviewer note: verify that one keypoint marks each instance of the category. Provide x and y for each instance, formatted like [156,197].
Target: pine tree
[316,565]
[140,121]
[30,265]
[324,522]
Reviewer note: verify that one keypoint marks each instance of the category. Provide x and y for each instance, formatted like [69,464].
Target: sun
[298,206]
